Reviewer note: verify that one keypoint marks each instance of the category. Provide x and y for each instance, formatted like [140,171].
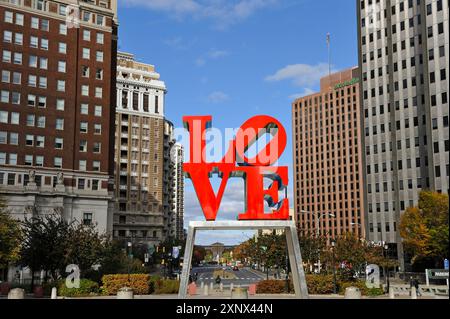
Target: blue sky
[234,59]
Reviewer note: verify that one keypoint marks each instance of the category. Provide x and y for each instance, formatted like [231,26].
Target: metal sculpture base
[295,258]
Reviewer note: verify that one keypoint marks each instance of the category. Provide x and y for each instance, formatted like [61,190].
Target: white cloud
[302,75]
[306,92]
[212,54]
[217,97]
[222,12]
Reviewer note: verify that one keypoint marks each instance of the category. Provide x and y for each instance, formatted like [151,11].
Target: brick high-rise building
[404,64]
[327,158]
[57,107]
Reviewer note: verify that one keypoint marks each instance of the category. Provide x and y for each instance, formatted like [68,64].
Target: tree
[199,255]
[425,229]
[44,244]
[311,246]
[84,246]
[10,239]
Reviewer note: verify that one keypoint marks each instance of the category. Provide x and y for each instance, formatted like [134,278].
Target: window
[82,165]
[87,219]
[17,78]
[14,138]
[3,137]
[31,100]
[18,58]
[97,147]
[62,48]
[63,29]
[34,23]
[84,109]
[15,118]
[60,124]
[12,160]
[60,104]
[98,92]
[59,143]
[2,158]
[85,71]
[34,42]
[86,53]
[7,36]
[98,110]
[85,90]
[6,56]
[15,98]
[29,160]
[61,86]
[18,39]
[99,56]
[42,82]
[86,35]
[83,127]
[29,140]
[99,74]
[8,17]
[4,97]
[41,121]
[19,19]
[39,161]
[43,63]
[97,129]
[96,166]
[30,119]
[6,76]
[57,162]
[32,80]
[33,61]
[62,66]
[44,25]
[100,38]
[40,141]
[83,146]
[44,44]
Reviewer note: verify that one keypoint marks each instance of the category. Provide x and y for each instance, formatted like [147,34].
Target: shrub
[152,284]
[166,287]
[271,287]
[362,286]
[320,284]
[87,288]
[138,282]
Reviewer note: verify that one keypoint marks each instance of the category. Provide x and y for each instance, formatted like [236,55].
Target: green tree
[84,246]
[10,239]
[425,229]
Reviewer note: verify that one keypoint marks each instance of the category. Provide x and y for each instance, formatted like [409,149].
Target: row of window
[38,161]
[407,142]
[42,83]
[406,125]
[44,24]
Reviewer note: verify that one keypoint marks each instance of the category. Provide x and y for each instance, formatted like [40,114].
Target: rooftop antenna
[329,57]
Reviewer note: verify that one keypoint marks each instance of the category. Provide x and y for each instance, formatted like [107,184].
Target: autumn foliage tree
[425,230]
[10,238]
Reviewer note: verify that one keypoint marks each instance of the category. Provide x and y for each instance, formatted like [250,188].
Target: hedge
[317,285]
[87,288]
[138,282]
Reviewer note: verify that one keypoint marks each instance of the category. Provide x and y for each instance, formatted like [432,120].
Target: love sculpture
[254,170]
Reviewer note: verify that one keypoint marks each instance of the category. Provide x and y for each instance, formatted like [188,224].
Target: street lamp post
[318,218]
[333,244]
[385,252]
[129,245]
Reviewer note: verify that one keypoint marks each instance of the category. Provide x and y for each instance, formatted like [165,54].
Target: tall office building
[177,157]
[327,158]
[57,108]
[148,189]
[139,156]
[404,63]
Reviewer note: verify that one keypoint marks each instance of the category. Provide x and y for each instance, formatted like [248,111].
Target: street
[244,277]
